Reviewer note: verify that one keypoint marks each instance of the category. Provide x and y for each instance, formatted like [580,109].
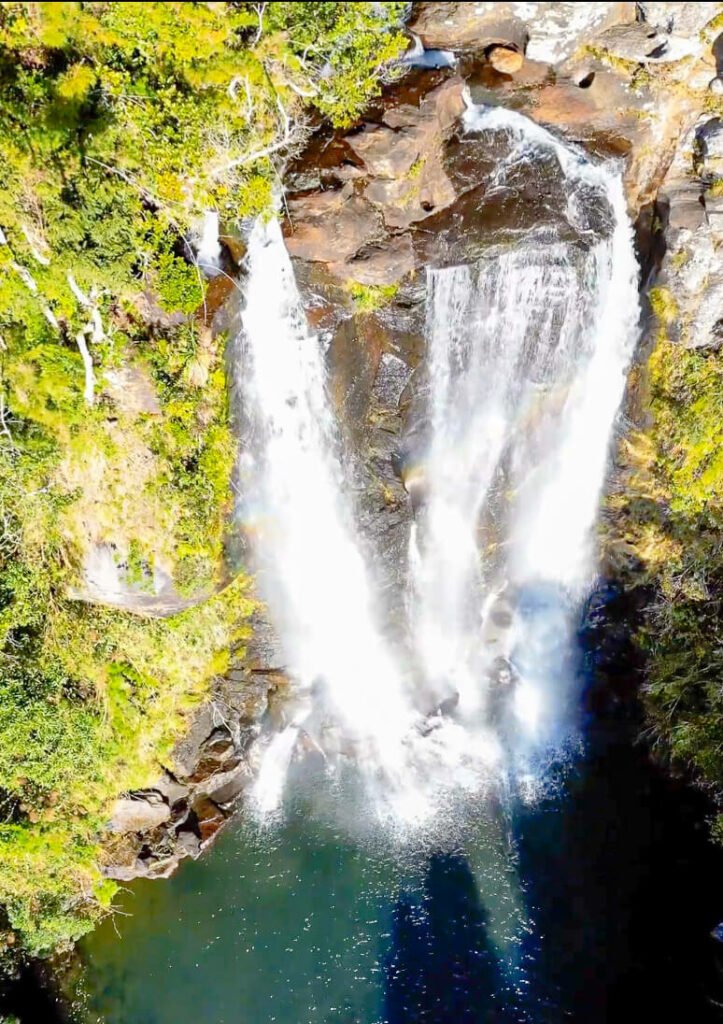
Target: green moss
[367,298]
[619,64]
[671,517]
[680,258]
[663,305]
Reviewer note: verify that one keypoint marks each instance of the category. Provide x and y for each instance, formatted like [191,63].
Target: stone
[639,42]
[686,211]
[188,844]
[170,789]
[387,153]
[505,59]
[714,215]
[324,227]
[139,814]
[225,787]
[467,27]
[548,32]
[564,104]
[716,85]
[131,390]
[210,819]
[709,137]
[137,868]
[385,264]
[681,20]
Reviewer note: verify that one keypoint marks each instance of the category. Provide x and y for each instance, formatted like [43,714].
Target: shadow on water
[442,968]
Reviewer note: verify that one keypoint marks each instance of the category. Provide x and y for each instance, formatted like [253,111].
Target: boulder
[468,27]
[225,787]
[549,32]
[685,209]
[210,819]
[136,868]
[639,42]
[329,226]
[666,32]
[383,264]
[139,813]
[171,789]
[505,59]
[714,215]
[188,844]
[709,139]
[387,153]
[682,22]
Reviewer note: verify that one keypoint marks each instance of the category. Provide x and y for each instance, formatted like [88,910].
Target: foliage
[120,124]
[370,297]
[671,519]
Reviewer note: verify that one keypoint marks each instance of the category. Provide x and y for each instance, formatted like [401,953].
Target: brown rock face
[549,32]
[382,264]
[387,153]
[330,226]
[505,60]
[400,179]
[466,27]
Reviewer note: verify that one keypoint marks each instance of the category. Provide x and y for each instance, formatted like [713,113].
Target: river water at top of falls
[526,354]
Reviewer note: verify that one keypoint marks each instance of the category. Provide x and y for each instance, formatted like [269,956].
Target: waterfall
[349,691]
[527,350]
[527,357]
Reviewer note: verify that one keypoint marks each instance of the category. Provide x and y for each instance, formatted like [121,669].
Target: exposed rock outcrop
[548,32]
[151,831]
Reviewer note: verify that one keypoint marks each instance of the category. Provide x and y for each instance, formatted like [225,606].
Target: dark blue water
[593,904]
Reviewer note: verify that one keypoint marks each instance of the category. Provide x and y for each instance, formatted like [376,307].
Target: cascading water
[527,350]
[312,570]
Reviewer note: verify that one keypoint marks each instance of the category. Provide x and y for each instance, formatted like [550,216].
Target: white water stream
[527,351]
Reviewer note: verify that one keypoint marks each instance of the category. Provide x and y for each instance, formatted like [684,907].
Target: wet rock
[210,819]
[139,813]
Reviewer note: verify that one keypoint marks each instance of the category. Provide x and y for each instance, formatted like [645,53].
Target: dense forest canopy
[120,124]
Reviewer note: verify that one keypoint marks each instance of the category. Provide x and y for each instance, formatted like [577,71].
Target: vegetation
[121,124]
[671,519]
[369,297]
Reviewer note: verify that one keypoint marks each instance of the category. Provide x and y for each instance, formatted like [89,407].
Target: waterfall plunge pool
[593,905]
[578,887]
